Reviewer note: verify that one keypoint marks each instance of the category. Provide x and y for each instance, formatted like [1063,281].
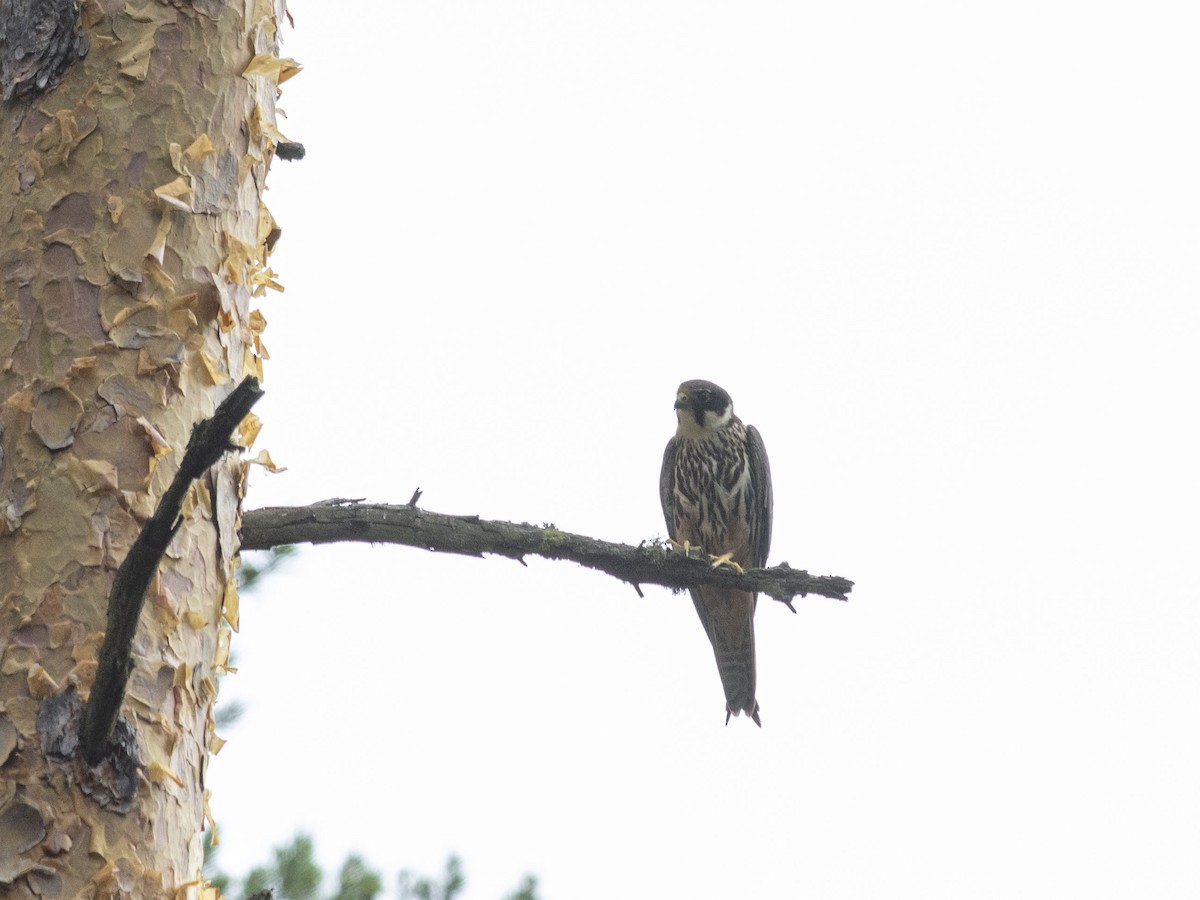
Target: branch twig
[209,440]
[649,563]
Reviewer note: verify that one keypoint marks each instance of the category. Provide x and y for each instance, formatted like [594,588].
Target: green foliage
[220,879]
[299,876]
[228,714]
[356,881]
[428,889]
[250,574]
[527,890]
[295,875]
[257,882]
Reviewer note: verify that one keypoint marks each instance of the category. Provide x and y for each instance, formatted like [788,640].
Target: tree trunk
[133,239]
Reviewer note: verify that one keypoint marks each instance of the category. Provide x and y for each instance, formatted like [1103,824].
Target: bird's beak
[681,400]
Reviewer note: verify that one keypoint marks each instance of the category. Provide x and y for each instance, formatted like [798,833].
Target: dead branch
[647,563]
[209,440]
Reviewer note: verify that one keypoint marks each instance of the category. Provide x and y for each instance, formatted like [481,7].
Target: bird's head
[702,408]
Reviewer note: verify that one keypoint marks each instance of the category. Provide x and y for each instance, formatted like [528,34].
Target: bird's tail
[737,677]
[731,630]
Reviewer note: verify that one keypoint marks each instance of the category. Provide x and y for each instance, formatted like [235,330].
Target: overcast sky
[943,256]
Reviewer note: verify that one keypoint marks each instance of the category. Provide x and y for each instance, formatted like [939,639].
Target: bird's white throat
[692,430]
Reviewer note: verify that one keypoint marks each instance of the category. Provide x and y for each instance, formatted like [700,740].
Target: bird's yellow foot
[725,559]
[686,546]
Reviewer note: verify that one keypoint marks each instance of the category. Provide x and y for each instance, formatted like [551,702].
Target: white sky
[944,256]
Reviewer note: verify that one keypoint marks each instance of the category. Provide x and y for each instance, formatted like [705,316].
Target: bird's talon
[726,559]
[686,547]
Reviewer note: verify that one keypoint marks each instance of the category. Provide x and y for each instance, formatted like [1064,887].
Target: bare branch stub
[648,563]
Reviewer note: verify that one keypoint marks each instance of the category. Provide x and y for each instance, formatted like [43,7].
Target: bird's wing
[762,500]
[666,486]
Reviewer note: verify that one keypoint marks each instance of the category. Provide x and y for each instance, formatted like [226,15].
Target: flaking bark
[133,246]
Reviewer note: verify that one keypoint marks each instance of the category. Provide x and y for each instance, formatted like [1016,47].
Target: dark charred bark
[39,40]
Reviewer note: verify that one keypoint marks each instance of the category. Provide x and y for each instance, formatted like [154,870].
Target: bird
[715,488]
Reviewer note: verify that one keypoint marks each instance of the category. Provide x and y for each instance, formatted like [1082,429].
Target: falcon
[715,489]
